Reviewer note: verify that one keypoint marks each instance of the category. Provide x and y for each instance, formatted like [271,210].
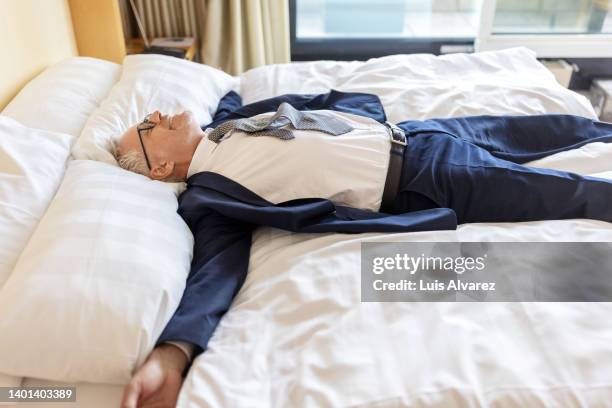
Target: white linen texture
[423,86]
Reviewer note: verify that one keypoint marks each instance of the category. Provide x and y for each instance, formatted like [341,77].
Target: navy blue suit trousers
[472,165]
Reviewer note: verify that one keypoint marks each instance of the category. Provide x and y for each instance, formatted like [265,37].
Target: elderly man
[330,163]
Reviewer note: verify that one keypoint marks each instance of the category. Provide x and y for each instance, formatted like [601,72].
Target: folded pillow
[32,164]
[98,280]
[63,96]
[151,82]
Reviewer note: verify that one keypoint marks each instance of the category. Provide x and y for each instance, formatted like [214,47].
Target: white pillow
[32,163]
[63,96]
[98,281]
[151,82]
[422,86]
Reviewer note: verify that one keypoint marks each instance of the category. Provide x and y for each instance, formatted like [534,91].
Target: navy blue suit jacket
[222,215]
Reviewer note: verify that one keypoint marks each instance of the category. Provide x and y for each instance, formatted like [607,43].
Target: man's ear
[162,170]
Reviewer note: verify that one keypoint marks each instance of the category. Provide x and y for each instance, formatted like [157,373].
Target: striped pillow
[99,279]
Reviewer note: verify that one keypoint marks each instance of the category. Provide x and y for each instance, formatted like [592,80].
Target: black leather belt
[394,172]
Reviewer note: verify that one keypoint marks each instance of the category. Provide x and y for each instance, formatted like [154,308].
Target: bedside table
[136,45]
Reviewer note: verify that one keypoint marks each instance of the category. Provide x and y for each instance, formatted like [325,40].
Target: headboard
[35,34]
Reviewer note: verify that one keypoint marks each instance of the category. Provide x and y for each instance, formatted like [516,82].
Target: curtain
[232,35]
[242,34]
[167,18]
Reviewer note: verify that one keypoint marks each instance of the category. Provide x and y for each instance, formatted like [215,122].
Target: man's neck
[193,146]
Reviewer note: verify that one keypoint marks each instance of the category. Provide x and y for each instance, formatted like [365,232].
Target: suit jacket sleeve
[218,269]
[222,215]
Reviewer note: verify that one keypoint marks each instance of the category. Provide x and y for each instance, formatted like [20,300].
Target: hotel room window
[361,29]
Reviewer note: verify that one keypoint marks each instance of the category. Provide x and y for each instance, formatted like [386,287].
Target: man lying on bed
[328,163]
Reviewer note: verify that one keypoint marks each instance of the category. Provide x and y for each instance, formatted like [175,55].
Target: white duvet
[297,333]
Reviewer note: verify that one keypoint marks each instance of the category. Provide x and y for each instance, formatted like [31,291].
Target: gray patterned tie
[285,115]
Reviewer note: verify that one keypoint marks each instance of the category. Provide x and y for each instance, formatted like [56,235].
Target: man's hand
[158,381]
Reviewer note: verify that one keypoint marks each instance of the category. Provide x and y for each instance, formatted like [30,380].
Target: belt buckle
[399,142]
[398,136]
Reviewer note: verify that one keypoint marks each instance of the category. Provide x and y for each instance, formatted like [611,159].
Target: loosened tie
[274,125]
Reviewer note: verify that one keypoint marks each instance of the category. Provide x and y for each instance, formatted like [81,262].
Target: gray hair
[132,161]
[135,162]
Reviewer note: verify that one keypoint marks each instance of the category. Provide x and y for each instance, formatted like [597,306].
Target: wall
[35,34]
[98,29]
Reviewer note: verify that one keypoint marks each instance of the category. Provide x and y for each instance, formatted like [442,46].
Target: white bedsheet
[298,335]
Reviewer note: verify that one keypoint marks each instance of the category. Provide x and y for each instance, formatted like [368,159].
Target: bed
[297,333]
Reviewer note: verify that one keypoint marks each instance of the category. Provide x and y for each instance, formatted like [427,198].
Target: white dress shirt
[349,169]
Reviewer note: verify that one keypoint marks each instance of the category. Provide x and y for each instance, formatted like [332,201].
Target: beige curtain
[232,35]
[241,34]
[167,18]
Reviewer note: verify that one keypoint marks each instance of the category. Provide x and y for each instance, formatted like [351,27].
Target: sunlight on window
[387,18]
[552,17]
[447,18]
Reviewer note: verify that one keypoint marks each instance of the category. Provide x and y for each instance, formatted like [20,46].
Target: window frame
[544,45]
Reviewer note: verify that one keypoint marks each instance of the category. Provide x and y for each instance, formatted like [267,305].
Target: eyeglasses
[143,126]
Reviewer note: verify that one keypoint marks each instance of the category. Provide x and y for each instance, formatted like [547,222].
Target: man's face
[167,141]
